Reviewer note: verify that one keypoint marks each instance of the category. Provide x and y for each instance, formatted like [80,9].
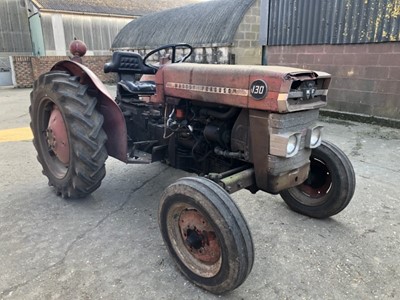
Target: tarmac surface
[108,246]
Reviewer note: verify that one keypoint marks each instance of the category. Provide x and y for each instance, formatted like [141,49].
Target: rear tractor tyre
[206,234]
[68,134]
[329,187]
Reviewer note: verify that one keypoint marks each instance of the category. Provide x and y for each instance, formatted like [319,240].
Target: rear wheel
[329,187]
[206,234]
[68,134]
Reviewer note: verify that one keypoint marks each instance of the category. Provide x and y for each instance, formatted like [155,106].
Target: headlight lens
[314,137]
[285,145]
[291,145]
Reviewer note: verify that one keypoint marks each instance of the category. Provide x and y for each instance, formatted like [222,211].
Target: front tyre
[68,134]
[206,234]
[329,187]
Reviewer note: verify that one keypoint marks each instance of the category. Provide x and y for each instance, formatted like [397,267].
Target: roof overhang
[71,12]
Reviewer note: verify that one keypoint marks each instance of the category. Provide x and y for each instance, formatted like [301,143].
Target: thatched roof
[111,7]
[204,23]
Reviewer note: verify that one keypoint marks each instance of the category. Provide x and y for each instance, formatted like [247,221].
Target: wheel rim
[318,183]
[194,240]
[53,138]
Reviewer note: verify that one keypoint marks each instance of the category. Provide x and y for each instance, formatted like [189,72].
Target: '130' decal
[259,89]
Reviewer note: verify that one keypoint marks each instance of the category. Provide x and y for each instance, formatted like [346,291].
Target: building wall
[247,49]
[316,22]
[29,68]
[14,28]
[366,77]
[23,71]
[98,32]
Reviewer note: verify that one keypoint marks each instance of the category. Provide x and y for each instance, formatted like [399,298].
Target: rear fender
[114,121]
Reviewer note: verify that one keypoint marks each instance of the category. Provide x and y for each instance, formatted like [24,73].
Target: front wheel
[68,134]
[206,234]
[329,187]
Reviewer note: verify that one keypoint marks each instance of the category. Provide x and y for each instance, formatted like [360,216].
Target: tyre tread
[87,137]
[218,198]
[333,205]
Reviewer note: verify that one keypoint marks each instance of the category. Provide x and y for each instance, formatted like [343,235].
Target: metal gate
[5,71]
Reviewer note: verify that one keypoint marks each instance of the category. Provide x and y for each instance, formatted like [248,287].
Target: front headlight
[285,145]
[314,137]
[291,145]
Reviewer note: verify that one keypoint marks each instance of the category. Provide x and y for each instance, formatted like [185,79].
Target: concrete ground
[108,246]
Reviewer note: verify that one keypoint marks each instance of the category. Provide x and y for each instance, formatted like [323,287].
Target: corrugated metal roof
[212,22]
[299,22]
[119,7]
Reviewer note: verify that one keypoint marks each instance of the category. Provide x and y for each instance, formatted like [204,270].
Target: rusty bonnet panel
[256,87]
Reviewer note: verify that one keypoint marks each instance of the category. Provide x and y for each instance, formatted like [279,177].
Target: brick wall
[28,68]
[366,77]
[43,64]
[96,64]
[23,71]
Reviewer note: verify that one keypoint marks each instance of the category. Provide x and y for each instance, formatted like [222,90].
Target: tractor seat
[138,87]
[124,62]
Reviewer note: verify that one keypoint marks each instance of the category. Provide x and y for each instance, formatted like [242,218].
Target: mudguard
[114,121]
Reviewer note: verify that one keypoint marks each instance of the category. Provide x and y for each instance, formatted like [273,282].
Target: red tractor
[237,127]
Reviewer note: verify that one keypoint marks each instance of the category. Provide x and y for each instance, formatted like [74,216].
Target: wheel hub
[319,181]
[194,239]
[57,136]
[199,237]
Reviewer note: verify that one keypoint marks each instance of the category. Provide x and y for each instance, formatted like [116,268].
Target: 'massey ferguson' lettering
[208,89]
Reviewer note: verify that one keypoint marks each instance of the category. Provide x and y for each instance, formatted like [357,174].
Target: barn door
[5,71]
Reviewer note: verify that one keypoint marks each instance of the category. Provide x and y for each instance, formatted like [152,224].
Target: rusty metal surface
[240,135]
[272,173]
[318,185]
[230,84]
[57,136]
[199,236]
[114,122]
[278,183]
[239,181]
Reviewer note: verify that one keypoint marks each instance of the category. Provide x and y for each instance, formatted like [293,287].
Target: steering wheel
[174,47]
